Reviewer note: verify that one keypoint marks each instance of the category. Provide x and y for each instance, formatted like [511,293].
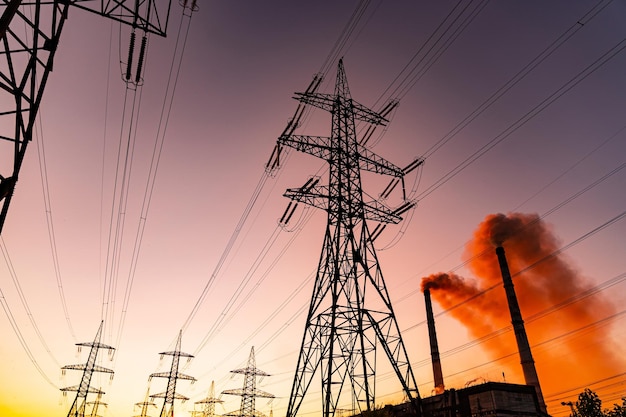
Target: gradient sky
[242,63]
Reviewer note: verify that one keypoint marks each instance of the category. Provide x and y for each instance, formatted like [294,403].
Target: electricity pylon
[80,401]
[95,405]
[249,392]
[29,34]
[172,377]
[344,328]
[208,403]
[145,404]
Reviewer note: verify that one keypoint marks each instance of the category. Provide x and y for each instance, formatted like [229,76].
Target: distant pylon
[208,403]
[249,392]
[145,404]
[172,377]
[80,401]
[344,328]
[95,405]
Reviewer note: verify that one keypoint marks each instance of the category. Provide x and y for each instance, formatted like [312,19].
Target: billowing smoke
[568,339]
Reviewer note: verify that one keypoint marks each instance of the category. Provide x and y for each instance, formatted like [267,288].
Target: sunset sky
[518,108]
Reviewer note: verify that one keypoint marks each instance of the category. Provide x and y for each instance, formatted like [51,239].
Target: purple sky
[242,63]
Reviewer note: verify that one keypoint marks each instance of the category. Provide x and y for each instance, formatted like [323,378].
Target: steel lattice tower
[208,403]
[172,377]
[144,405]
[249,392]
[80,401]
[30,32]
[344,329]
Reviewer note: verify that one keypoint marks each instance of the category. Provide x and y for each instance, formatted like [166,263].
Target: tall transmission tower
[79,405]
[208,403]
[344,328]
[249,393]
[30,32]
[172,377]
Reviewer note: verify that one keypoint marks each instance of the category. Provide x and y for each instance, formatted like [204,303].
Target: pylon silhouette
[344,328]
[249,392]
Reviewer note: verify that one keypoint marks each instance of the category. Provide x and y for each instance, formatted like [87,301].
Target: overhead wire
[555,208]
[416,73]
[528,116]
[519,76]
[23,300]
[166,109]
[43,171]
[348,30]
[22,339]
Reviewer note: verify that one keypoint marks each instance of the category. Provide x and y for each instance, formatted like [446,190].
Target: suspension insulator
[142,53]
[131,51]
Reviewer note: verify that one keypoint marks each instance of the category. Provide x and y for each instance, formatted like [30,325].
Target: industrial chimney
[526,357]
[434,347]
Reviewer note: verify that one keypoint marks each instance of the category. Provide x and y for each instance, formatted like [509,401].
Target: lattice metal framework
[144,405]
[30,32]
[207,404]
[344,328]
[172,377]
[249,393]
[79,405]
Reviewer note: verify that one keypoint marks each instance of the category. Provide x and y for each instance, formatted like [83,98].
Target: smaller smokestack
[434,346]
[526,357]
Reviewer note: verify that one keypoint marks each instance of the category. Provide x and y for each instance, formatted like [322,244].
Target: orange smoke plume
[569,347]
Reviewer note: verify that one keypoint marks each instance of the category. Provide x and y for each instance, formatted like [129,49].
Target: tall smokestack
[526,357]
[434,347]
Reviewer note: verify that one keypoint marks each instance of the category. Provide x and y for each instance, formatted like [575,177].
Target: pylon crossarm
[82,367]
[377,211]
[328,102]
[175,396]
[143,14]
[262,394]
[369,161]
[316,197]
[236,391]
[319,100]
[168,374]
[75,388]
[255,371]
[177,353]
[97,345]
[319,146]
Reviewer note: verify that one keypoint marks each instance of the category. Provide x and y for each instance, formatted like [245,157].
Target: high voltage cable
[538,262]
[542,216]
[226,252]
[565,303]
[335,52]
[519,76]
[154,164]
[441,44]
[597,64]
[571,198]
[340,43]
[576,241]
[22,340]
[43,172]
[603,321]
[22,297]
[593,12]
